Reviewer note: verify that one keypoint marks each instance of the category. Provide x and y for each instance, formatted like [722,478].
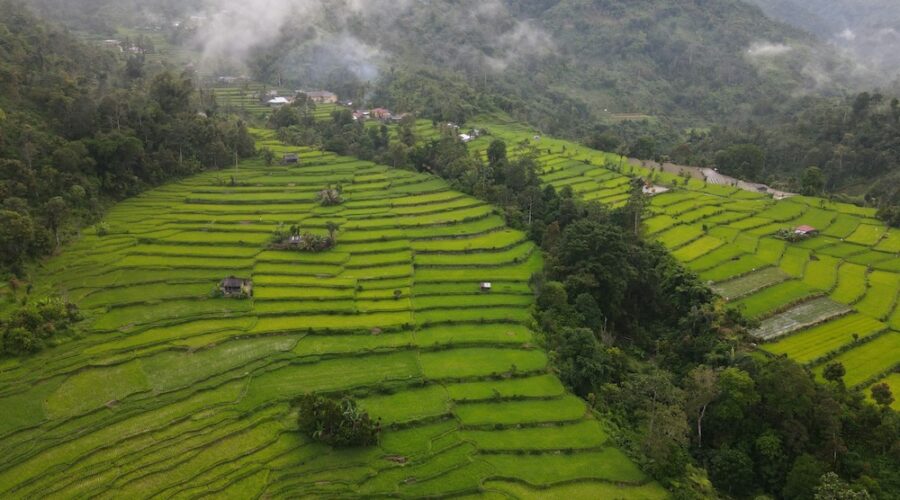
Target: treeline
[81,127]
[848,148]
[854,142]
[651,348]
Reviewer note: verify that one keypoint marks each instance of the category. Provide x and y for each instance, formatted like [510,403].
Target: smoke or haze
[767,49]
[320,37]
[867,32]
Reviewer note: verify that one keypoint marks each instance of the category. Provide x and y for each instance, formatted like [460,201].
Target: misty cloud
[768,49]
[320,38]
[522,42]
[847,34]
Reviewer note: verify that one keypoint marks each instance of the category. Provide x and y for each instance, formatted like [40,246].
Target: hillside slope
[562,64]
[174,392]
[832,297]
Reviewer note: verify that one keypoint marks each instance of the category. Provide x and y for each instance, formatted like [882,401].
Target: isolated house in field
[236,287]
[277,102]
[321,96]
[806,231]
[486,286]
[290,159]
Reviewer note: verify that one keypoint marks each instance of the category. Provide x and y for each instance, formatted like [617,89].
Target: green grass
[679,235]
[586,490]
[769,300]
[851,283]
[566,409]
[479,362]
[584,434]
[531,387]
[608,465]
[697,248]
[881,295]
[811,344]
[822,273]
[474,334]
[868,360]
[866,234]
[893,381]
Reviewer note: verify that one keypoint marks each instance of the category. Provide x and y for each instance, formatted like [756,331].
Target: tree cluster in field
[331,196]
[337,422]
[304,241]
[36,325]
[80,127]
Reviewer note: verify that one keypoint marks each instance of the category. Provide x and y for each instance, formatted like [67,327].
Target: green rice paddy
[799,291]
[174,392]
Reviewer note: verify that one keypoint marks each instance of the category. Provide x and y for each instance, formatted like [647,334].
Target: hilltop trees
[78,131]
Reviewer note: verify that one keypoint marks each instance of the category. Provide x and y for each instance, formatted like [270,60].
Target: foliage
[330,196]
[35,325]
[831,487]
[882,395]
[336,422]
[816,144]
[81,131]
[304,241]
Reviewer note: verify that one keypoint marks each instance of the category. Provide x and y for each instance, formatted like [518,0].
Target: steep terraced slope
[174,392]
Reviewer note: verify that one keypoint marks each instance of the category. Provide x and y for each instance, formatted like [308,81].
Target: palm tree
[332,229]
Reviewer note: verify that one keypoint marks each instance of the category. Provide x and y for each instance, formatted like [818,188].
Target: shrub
[336,422]
[331,196]
[32,326]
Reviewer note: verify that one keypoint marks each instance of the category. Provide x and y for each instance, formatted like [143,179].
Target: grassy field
[174,392]
[727,236]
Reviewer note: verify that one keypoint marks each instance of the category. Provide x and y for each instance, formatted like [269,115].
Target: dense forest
[652,79]
[81,127]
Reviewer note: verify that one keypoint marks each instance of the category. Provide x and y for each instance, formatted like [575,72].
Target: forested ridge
[81,127]
[654,79]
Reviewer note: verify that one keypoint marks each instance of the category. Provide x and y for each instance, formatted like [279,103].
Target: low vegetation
[336,422]
[36,325]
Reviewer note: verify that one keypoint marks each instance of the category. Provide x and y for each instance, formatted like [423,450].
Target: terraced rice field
[172,392]
[727,236]
[246,99]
